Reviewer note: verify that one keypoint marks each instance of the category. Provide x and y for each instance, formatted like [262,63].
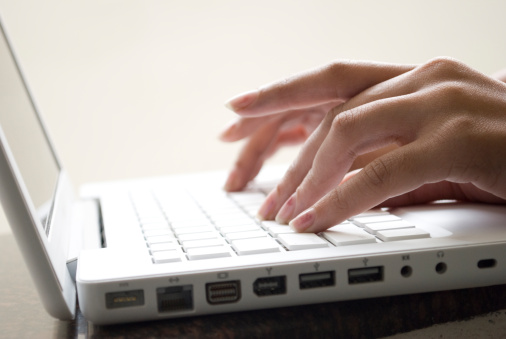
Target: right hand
[288,111]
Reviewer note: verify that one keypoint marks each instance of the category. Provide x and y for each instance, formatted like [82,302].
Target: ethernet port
[175,298]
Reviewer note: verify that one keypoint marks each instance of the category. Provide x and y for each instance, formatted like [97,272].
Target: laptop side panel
[35,192]
[57,293]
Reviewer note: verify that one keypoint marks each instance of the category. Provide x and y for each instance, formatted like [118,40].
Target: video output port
[223,292]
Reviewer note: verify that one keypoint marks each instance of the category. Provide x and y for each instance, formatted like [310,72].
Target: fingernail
[242,100]
[232,181]
[350,175]
[286,212]
[304,220]
[268,206]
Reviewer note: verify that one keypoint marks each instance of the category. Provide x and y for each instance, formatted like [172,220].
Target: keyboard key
[203,243]
[302,241]
[166,256]
[343,235]
[200,253]
[151,220]
[199,236]
[168,246]
[189,222]
[244,198]
[157,232]
[160,239]
[155,226]
[245,220]
[256,246]
[233,229]
[391,225]
[246,235]
[403,234]
[276,229]
[362,221]
[252,211]
[197,229]
[370,213]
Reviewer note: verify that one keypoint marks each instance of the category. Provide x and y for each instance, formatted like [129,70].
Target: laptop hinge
[85,233]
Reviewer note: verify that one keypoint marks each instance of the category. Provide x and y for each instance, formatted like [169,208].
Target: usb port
[315,280]
[365,275]
[270,286]
[223,292]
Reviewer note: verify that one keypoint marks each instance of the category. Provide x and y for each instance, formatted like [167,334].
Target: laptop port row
[180,298]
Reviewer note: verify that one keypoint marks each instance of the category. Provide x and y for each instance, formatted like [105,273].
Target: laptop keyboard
[195,225]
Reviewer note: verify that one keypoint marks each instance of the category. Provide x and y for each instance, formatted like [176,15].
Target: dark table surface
[22,315]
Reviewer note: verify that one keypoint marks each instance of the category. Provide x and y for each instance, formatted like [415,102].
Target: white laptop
[179,246]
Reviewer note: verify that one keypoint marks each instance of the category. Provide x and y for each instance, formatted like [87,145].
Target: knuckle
[442,67]
[329,117]
[344,121]
[336,68]
[452,92]
[377,174]
[312,180]
[334,201]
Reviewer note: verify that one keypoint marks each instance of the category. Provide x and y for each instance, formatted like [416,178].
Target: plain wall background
[136,88]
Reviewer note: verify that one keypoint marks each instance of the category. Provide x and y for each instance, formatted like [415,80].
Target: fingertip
[233,182]
[287,210]
[267,207]
[227,133]
[304,221]
[242,100]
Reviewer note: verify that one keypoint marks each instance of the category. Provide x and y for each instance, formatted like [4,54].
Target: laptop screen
[25,135]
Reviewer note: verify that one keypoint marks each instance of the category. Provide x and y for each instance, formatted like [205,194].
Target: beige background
[136,88]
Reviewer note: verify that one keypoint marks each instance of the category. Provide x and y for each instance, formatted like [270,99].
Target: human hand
[287,112]
[449,123]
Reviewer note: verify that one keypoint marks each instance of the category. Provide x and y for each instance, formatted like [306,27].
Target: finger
[294,136]
[243,127]
[282,202]
[358,131]
[334,83]
[362,160]
[350,175]
[266,140]
[252,156]
[294,175]
[285,138]
[391,175]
